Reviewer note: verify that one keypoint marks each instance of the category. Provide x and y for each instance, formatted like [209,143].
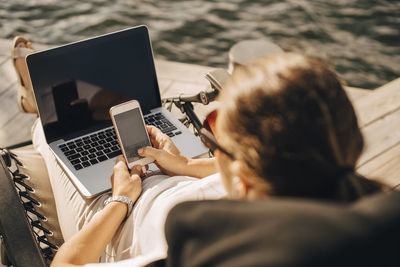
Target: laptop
[76,84]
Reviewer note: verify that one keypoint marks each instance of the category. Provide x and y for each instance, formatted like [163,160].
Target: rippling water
[361,38]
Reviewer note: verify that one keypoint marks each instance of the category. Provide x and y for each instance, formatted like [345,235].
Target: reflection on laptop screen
[75,85]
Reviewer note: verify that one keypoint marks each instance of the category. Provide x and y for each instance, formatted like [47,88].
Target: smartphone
[131,132]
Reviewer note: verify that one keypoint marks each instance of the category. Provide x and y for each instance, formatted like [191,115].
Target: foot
[22,70]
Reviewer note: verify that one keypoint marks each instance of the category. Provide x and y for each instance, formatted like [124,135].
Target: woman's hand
[87,245]
[171,161]
[124,183]
[167,156]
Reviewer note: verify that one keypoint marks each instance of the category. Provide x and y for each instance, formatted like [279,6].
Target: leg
[21,48]
[72,209]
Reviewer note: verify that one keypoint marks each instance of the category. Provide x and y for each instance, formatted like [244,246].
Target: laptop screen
[75,85]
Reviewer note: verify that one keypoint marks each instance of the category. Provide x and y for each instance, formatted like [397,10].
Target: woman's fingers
[120,165]
[153,131]
[137,170]
[149,151]
[157,137]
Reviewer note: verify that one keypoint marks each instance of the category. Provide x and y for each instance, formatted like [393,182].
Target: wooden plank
[355,94]
[188,88]
[5,47]
[381,102]
[7,75]
[164,84]
[380,136]
[3,59]
[8,105]
[181,71]
[384,168]
[17,130]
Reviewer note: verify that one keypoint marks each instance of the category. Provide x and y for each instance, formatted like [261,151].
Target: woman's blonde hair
[289,119]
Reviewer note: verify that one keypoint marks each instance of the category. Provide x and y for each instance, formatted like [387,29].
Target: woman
[285,128]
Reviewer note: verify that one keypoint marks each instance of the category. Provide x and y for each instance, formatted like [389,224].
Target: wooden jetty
[378,112]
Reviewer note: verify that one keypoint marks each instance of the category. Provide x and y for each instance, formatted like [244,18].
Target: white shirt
[141,239]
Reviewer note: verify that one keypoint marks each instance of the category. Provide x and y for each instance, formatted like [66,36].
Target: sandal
[22,92]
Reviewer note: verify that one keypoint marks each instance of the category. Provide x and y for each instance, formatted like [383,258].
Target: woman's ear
[247,184]
[240,186]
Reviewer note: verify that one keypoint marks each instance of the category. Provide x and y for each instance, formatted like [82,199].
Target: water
[360,38]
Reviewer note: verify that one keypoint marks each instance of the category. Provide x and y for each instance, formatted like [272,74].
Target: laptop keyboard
[91,149]
[162,123]
[97,147]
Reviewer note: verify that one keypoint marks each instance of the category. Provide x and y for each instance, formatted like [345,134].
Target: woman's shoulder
[226,232]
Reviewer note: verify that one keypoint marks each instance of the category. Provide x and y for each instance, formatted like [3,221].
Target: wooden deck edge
[384,167]
[381,102]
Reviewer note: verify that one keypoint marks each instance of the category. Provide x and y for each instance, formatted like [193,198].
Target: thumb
[149,151]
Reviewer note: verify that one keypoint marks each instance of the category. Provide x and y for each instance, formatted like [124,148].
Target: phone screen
[132,133]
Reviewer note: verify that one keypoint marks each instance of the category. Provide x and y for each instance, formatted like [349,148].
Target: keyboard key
[107,150]
[79,144]
[169,129]
[98,148]
[94,144]
[63,149]
[107,145]
[75,161]
[114,154]
[94,139]
[109,134]
[79,149]
[102,158]
[69,153]
[84,158]
[114,148]
[110,130]
[91,156]
[109,139]
[84,153]
[94,161]
[70,143]
[92,150]
[72,146]
[74,156]
[178,132]
[78,140]
[87,142]
[102,136]
[114,142]
[86,164]
[63,145]
[78,166]
[101,142]
[170,134]
[99,153]
[85,138]
[93,135]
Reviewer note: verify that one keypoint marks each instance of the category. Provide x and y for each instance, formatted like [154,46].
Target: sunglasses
[210,142]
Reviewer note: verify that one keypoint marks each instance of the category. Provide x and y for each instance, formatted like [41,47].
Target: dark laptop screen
[75,85]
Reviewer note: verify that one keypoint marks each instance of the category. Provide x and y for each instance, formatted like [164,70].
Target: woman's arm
[171,161]
[88,244]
